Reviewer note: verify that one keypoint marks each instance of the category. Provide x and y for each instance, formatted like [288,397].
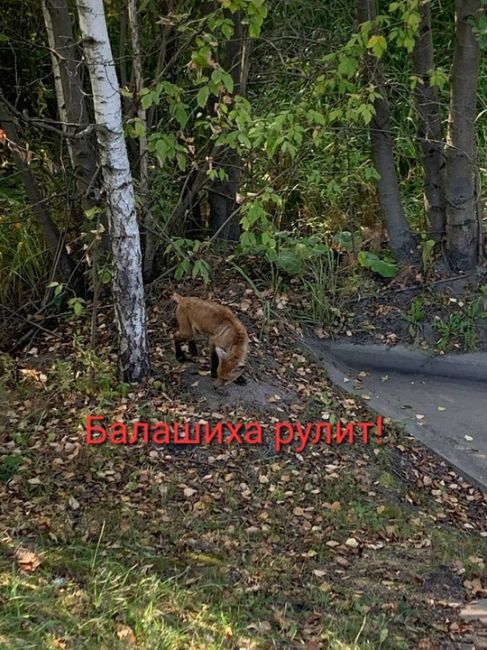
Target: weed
[8,467]
[415,316]
[460,328]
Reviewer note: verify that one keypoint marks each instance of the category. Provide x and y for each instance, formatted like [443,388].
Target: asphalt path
[440,400]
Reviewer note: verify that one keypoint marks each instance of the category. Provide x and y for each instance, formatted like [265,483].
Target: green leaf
[105,276]
[202,96]
[77,305]
[181,160]
[375,264]
[243,139]
[181,115]
[255,24]
[348,66]
[227,81]
[227,28]
[426,250]
[378,44]
[148,99]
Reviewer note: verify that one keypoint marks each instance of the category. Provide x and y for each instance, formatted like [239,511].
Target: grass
[232,588]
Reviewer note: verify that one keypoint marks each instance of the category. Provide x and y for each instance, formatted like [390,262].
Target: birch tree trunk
[70,97]
[150,241]
[128,288]
[463,210]
[429,127]
[401,238]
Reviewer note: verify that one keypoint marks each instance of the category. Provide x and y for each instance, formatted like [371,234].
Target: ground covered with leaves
[440,313]
[221,546]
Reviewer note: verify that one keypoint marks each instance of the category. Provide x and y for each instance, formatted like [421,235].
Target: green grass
[87,594]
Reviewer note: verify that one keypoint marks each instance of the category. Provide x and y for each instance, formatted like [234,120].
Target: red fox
[227,336]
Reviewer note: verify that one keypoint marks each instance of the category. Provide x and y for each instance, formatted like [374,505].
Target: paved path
[441,401]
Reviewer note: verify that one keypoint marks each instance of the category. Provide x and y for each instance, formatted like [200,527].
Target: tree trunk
[58,84]
[222,195]
[429,128]
[65,270]
[128,288]
[401,238]
[70,97]
[463,210]
[150,239]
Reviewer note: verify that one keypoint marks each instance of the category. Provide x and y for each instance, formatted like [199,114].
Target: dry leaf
[125,633]
[27,560]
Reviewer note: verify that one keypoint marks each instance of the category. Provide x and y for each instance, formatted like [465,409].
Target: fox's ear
[221,353]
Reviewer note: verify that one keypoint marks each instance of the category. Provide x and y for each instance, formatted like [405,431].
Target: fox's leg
[184,333]
[193,350]
[214,361]
[180,356]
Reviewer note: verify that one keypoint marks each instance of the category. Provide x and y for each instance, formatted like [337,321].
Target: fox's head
[230,367]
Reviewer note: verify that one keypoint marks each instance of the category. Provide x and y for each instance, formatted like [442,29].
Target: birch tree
[464,214]
[128,288]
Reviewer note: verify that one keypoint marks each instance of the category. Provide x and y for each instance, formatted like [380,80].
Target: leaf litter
[332,534]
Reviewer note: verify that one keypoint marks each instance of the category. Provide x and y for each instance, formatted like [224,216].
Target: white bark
[128,288]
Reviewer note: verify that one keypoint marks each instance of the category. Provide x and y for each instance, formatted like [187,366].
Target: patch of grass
[416,316]
[8,467]
[460,328]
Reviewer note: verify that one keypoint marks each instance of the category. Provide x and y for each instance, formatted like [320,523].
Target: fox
[227,336]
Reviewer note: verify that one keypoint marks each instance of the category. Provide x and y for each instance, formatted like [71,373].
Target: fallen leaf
[125,633]
[27,561]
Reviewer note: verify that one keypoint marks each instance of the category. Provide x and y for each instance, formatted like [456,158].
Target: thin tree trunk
[71,99]
[65,270]
[128,288]
[463,210]
[429,128]
[401,238]
[222,195]
[162,55]
[58,84]
[150,241]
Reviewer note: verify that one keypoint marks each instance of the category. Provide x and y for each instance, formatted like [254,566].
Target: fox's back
[209,318]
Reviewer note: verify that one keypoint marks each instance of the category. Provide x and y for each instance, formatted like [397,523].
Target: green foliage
[385,268]
[459,329]
[416,316]
[479,26]
[417,311]
[426,254]
[8,467]
[319,281]
[77,304]
[24,262]
[189,255]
